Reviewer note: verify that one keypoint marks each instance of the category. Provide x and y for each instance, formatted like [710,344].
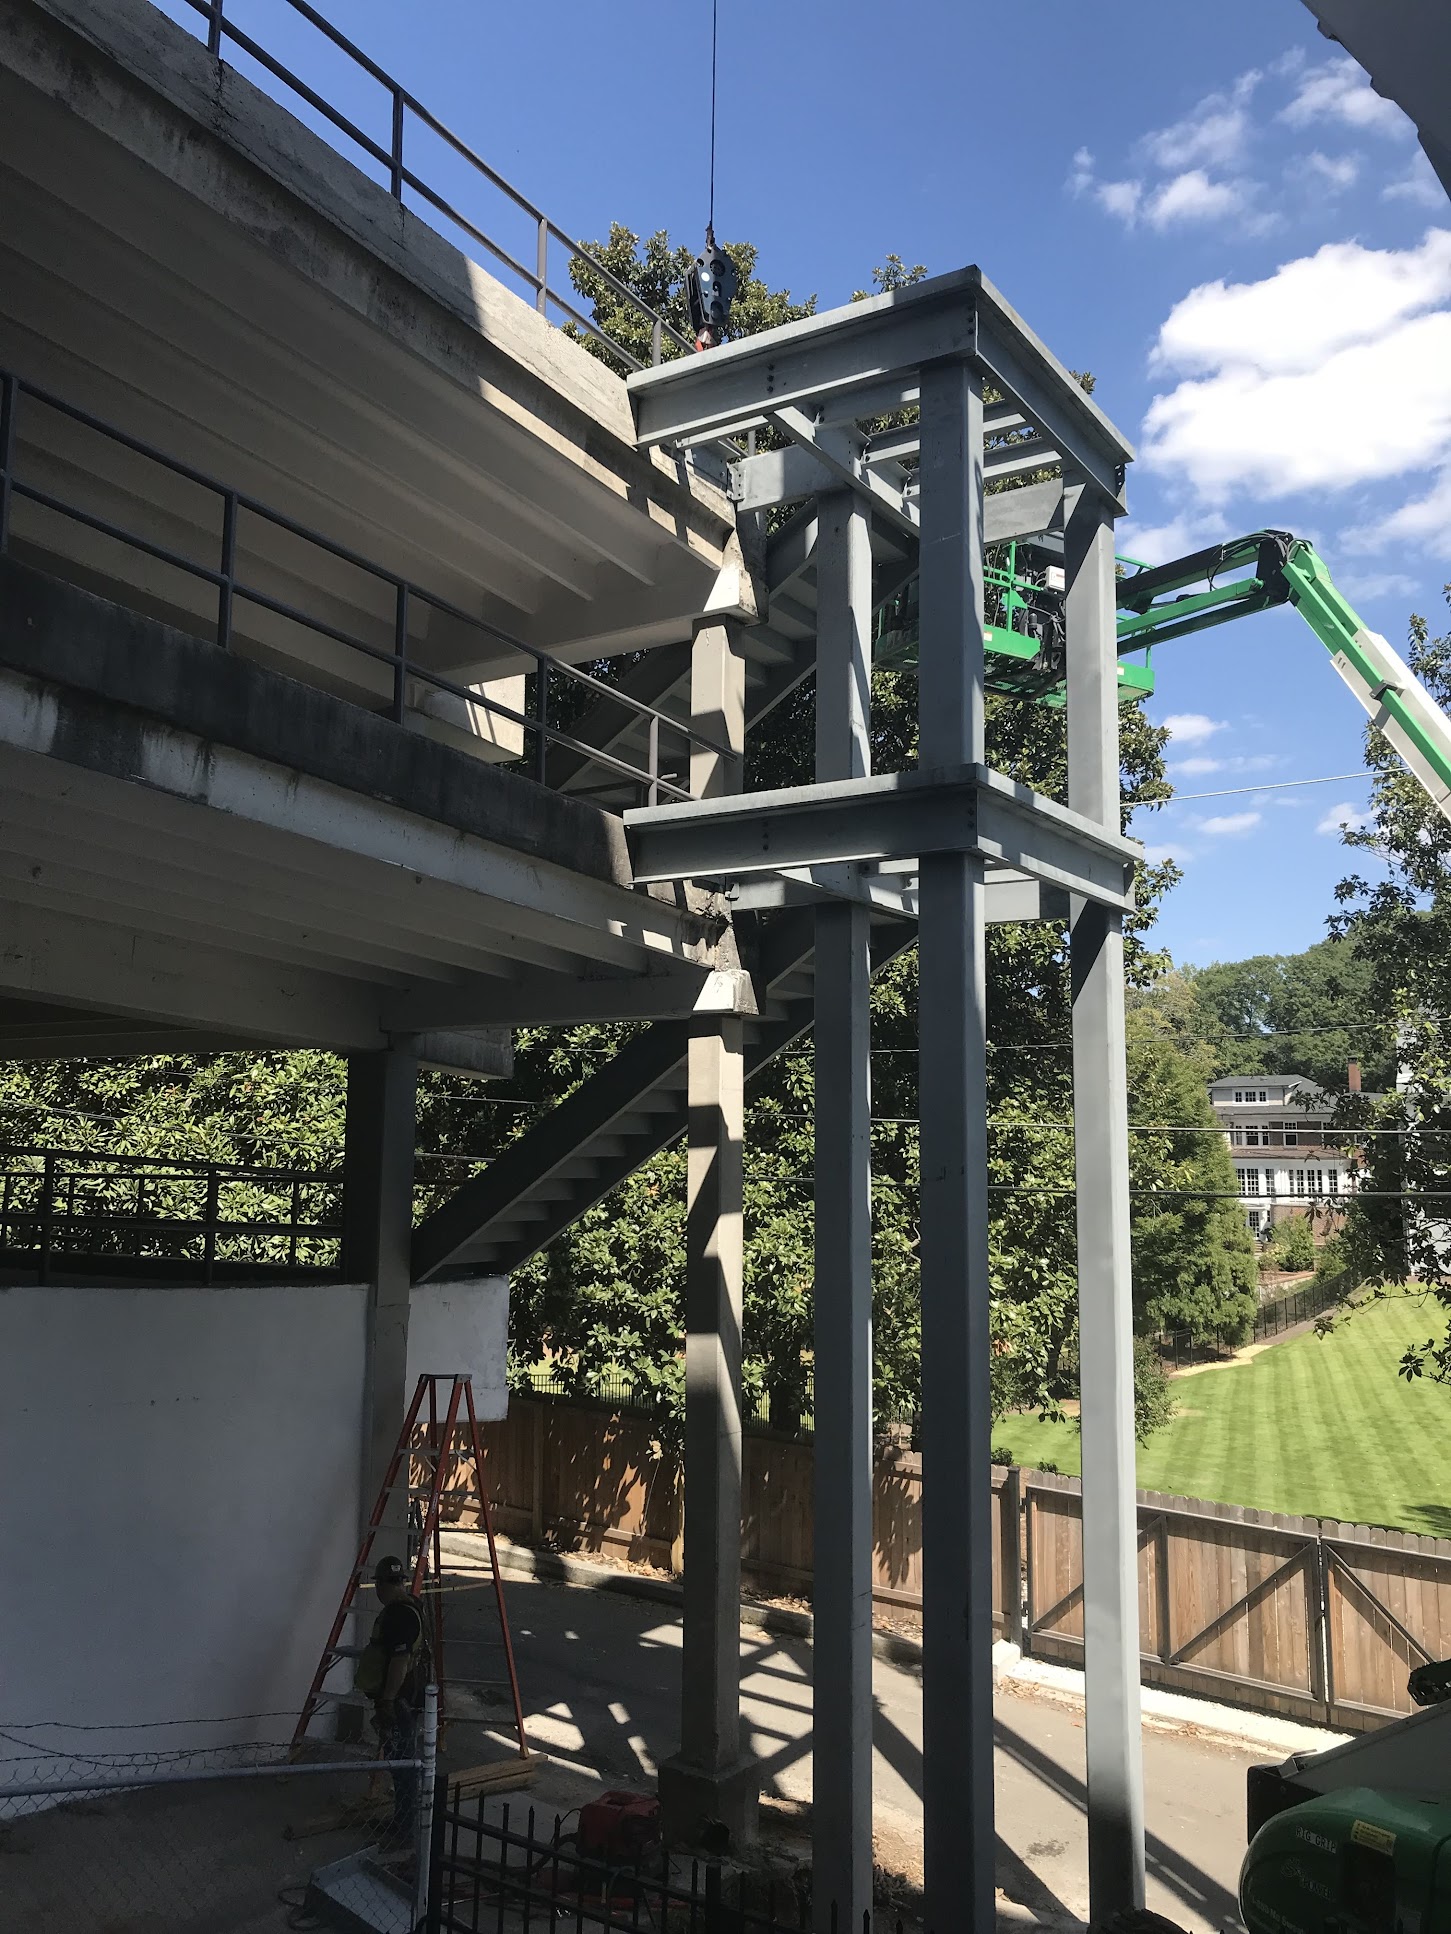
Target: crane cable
[714,35]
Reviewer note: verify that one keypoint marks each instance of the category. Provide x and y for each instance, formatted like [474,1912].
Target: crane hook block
[711,289]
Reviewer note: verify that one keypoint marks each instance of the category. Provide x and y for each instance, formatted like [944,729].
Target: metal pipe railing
[231,587]
[219,30]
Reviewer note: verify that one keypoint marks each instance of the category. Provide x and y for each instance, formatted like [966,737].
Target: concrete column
[377,1236]
[717,706]
[709,1785]
[841,1818]
[1105,1292]
[709,1789]
[957,1718]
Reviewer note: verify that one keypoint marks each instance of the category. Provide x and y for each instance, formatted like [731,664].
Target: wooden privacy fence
[1301,1616]
[594,1478]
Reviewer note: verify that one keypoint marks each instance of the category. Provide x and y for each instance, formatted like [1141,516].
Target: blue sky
[1206,206]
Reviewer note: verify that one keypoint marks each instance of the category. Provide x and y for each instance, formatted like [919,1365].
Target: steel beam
[1105,1290]
[833,365]
[1010,896]
[841,1819]
[957,1717]
[901,815]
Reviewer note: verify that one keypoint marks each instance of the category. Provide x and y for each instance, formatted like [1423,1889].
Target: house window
[1236,1136]
[1332,1177]
[1252,1137]
[1239,1094]
[1264,1094]
[1269,1181]
[1254,1222]
[1299,1179]
[1249,1181]
[1316,1178]
[1291,1132]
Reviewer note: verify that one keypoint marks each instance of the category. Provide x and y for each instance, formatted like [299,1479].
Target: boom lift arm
[1158,603]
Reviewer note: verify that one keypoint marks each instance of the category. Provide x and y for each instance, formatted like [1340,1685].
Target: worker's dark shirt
[398,1629]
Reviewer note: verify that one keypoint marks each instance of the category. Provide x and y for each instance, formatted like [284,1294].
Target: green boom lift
[1157,603]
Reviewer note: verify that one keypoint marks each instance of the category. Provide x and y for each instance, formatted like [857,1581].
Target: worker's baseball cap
[389,1571]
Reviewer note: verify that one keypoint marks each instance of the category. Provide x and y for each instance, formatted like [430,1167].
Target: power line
[1284,785]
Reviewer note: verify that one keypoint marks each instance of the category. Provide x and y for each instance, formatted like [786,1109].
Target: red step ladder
[424,1459]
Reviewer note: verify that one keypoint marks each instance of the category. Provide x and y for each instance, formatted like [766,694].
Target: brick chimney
[1352,1077]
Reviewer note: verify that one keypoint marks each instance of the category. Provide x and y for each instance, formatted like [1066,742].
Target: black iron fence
[504,1871]
[1178,1348]
[404,109]
[549,676]
[61,1209]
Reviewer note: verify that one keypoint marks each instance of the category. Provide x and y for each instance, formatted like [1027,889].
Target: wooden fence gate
[1318,1620]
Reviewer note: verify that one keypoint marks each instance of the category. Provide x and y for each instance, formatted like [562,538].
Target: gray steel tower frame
[961,846]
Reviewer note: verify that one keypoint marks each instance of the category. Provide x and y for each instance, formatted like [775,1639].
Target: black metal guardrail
[61,1205]
[486,1874]
[220,30]
[232,589]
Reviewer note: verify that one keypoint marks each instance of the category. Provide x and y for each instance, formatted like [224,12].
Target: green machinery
[1356,1840]
[1157,603]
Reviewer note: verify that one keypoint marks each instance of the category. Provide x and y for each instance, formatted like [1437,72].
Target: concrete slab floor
[600,1680]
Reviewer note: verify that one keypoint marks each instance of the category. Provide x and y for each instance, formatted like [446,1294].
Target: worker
[393,1672]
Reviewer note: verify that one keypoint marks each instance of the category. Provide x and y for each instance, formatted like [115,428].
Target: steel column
[377,1236]
[841,1846]
[957,1719]
[1105,1291]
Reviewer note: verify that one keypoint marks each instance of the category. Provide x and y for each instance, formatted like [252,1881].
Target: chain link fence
[225,1840]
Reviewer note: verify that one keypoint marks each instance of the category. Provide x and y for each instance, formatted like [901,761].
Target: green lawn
[1318,1427]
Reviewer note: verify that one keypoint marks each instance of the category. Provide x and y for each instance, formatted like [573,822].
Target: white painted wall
[463,1326]
[179,1496]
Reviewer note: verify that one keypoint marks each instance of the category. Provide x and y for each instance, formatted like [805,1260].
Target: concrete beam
[669,994]
[486,1053]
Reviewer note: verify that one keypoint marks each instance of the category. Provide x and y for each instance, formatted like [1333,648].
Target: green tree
[1292,1243]
[1278,1014]
[1398,1227]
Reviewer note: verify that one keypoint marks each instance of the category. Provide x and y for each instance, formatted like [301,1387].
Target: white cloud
[1375,584]
[1420,185]
[1331,170]
[1339,91]
[1424,523]
[1194,197]
[1198,768]
[1120,198]
[1306,310]
[1326,374]
[1214,131]
[1159,543]
[1156,855]
[1228,825]
[1346,815]
[1191,728]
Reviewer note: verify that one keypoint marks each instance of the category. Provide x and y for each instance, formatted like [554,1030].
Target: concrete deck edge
[121,667]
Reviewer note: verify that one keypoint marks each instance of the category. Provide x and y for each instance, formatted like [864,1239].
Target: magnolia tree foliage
[1399,1225]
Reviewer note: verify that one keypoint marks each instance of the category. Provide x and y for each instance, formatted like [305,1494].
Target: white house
[1286,1159]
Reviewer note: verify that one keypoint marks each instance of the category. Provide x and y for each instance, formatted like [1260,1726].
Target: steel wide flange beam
[825,366]
[902,815]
